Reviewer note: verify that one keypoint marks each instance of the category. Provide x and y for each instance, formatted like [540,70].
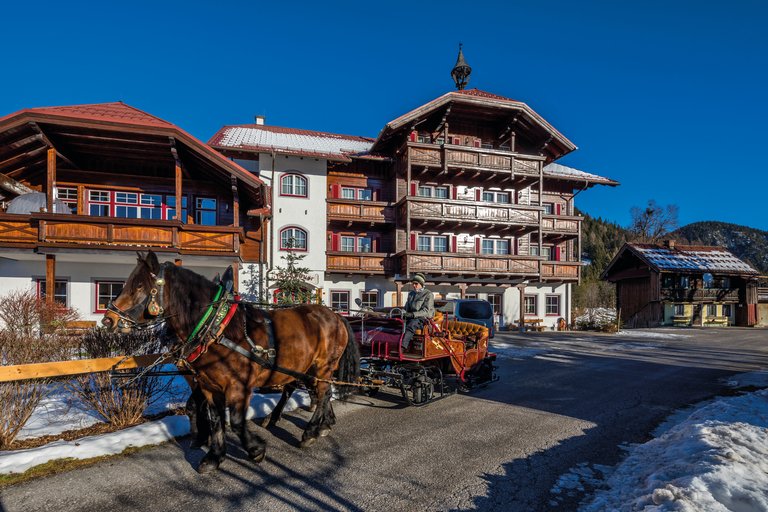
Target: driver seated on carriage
[419,308]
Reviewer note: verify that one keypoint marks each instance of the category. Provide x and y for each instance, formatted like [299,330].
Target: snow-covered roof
[291,141]
[554,170]
[692,258]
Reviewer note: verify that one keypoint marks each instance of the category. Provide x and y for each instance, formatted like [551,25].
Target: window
[151,206]
[491,196]
[553,305]
[170,210]
[340,301]
[529,305]
[494,246]
[546,252]
[135,205]
[99,203]
[727,310]
[293,239]
[356,244]
[549,208]
[361,194]
[348,244]
[430,243]
[69,196]
[205,211]
[679,309]
[59,291]
[126,205]
[106,292]
[293,185]
[433,191]
[370,298]
[495,300]
[711,309]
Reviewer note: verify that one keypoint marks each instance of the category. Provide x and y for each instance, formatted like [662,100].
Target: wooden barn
[682,285]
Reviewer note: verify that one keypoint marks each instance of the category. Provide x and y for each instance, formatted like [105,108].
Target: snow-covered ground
[712,457]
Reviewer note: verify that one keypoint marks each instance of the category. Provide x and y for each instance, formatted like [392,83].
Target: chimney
[669,244]
[260,119]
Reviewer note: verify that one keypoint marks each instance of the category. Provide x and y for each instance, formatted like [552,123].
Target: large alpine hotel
[463,189]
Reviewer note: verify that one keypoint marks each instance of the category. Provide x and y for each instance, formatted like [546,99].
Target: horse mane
[189,295]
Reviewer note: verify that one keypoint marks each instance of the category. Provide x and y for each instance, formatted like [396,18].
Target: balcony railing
[560,225]
[478,158]
[441,209]
[560,270]
[414,261]
[700,295]
[79,231]
[360,211]
[364,263]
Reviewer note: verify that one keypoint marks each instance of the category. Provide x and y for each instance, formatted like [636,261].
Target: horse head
[136,303]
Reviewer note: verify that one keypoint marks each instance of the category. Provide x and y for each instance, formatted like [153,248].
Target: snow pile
[599,319]
[715,460]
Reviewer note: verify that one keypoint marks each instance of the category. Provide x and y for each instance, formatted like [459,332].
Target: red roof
[483,94]
[117,112]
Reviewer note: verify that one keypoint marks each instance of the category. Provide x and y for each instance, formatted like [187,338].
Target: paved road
[501,448]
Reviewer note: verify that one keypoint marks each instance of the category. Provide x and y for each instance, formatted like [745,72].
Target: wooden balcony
[454,214]
[492,160]
[699,295]
[86,232]
[469,264]
[560,227]
[560,270]
[359,263]
[352,211]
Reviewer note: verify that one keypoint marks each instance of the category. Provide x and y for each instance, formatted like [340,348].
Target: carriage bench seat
[462,329]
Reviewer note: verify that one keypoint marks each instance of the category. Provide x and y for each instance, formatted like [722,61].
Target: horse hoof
[306,443]
[258,454]
[207,466]
[324,431]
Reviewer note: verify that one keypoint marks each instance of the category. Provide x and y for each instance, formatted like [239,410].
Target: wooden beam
[48,142]
[179,206]
[50,180]
[10,149]
[50,278]
[235,202]
[77,367]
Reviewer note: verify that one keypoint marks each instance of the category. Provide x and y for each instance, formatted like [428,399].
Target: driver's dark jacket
[421,303]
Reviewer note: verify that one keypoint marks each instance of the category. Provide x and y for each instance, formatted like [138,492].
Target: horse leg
[318,424]
[273,417]
[246,431]
[197,412]
[218,449]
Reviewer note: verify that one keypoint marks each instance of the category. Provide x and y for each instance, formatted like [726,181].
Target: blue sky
[666,97]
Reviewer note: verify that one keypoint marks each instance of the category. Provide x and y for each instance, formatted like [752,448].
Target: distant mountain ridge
[748,244]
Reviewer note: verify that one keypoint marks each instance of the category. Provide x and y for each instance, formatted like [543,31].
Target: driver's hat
[418,278]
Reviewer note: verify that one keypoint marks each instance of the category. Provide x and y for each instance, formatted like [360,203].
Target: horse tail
[349,363]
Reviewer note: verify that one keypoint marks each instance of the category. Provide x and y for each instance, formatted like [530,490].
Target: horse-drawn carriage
[444,355]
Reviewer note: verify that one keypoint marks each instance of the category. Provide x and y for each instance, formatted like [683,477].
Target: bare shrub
[31,333]
[122,401]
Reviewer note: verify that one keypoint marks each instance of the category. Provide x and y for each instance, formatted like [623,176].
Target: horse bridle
[152,304]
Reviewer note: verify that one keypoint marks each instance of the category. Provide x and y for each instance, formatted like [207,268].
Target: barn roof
[685,258]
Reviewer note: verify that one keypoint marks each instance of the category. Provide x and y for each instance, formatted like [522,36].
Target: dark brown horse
[309,340]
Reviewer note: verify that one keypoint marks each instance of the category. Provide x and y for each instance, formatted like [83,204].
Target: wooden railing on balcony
[355,262]
[44,229]
[470,210]
[468,157]
[364,211]
[558,224]
[565,270]
[699,294]
[415,261]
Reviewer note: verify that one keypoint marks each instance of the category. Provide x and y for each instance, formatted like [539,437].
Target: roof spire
[461,71]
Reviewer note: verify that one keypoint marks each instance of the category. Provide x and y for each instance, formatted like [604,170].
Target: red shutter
[457,141]
[413,241]
[413,188]
[478,194]
[335,242]
[478,242]
[454,192]
[557,253]
[454,244]
[335,191]
[557,209]
[413,136]
[478,143]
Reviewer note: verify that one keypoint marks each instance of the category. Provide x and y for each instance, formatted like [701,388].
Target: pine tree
[290,280]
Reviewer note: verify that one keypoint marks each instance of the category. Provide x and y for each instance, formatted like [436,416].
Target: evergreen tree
[290,280]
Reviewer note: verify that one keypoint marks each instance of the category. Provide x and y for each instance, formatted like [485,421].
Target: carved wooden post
[521,287]
[462,290]
[179,208]
[398,296]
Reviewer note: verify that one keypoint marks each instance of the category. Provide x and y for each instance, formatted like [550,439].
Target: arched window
[293,185]
[293,239]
